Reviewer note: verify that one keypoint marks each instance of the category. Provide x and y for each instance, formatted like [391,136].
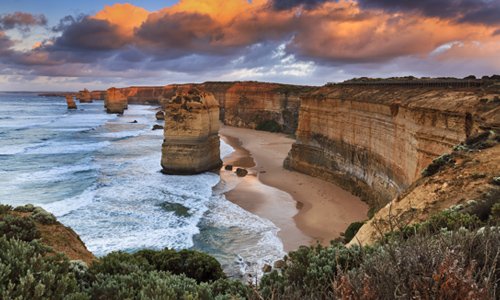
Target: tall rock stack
[71,102]
[191,143]
[115,101]
[84,96]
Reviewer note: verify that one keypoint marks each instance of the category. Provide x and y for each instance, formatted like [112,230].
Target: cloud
[258,39]
[288,4]
[473,11]
[22,21]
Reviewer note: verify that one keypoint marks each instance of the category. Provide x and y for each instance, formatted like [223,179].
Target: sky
[49,45]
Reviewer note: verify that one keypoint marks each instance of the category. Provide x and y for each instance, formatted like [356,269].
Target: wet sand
[306,209]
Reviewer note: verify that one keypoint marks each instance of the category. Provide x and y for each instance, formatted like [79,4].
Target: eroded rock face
[375,141]
[98,95]
[191,142]
[84,96]
[71,102]
[115,101]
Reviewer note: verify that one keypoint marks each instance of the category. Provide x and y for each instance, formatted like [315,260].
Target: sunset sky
[61,45]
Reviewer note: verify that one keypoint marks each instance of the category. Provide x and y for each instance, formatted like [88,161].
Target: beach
[306,209]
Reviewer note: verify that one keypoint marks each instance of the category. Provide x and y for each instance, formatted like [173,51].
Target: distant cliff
[375,140]
[248,104]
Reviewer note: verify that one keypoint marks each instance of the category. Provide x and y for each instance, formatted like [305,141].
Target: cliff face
[98,95]
[253,104]
[374,141]
[84,96]
[115,101]
[242,104]
[191,133]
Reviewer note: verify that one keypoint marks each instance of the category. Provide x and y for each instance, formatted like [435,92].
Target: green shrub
[21,228]
[197,265]
[42,216]
[119,262]
[437,165]
[26,272]
[351,231]
[25,208]
[4,208]
[269,125]
[309,272]
[147,285]
[230,289]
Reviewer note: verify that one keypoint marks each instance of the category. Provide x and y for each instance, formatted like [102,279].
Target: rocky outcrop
[255,105]
[160,115]
[191,143]
[70,101]
[375,140]
[115,101]
[84,96]
[97,95]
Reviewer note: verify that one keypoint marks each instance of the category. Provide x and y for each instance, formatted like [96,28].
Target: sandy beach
[306,209]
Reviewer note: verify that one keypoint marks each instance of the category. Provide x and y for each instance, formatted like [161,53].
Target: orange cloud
[126,17]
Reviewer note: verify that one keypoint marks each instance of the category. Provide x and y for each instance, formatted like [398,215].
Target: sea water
[100,175]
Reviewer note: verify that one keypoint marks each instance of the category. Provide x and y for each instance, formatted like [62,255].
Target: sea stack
[115,101]
[191,143]
[84,96]
[71,102]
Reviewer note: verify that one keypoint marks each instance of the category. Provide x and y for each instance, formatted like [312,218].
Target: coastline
[306,209]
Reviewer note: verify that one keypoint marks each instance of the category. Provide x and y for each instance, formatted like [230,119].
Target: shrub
[230,289]
[24,229]
[351,231]
[197,265]
[448,265]
[116,263]
[269,125]
[28,273]
[25,208]
[42,216]
[147,285]
[437,164]
[309,272]
[4,208]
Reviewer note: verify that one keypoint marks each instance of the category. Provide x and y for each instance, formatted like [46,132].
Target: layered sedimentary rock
[115,101]
[375,140]
[70,101]
[191,143]
[98,95]
[84,96]
[242,104]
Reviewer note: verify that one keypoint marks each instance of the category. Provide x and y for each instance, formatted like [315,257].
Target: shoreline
[306,209]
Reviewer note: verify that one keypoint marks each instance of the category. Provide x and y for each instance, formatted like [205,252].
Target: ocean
[100,174]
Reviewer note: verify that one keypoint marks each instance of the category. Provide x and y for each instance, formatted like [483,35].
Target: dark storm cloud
[22,21]
[287,4]
[473,11]
[90,34]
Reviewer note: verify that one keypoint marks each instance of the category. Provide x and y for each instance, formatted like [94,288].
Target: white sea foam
[66,147]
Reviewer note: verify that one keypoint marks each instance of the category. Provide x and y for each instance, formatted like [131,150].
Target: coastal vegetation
[450,255]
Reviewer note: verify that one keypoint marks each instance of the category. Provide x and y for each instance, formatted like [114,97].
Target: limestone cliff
[84,96]
[242,104]
[98,95]
[70,101]
[375,140]
[115,101]
[191,143]
[467,180]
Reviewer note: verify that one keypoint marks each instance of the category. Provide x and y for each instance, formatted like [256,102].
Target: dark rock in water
[157,127]
[178,209]
[267,268]
[229,167]
[241,172]
[160,115]
[134,122]
[279,264]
